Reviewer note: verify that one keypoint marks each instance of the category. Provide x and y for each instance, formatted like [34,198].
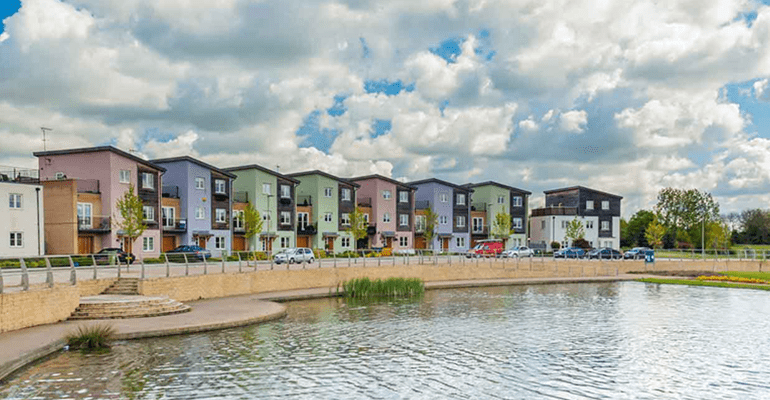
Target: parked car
[520,251]
[104,255]
[605,253]
[637,253]
[570,252]
[199,252]
[296,255]
[486,248]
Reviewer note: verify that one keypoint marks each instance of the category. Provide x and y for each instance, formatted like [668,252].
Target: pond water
[613,340]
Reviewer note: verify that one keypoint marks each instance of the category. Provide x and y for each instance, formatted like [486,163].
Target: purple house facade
[452,205]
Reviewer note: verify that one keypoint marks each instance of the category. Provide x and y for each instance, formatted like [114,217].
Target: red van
[486,248]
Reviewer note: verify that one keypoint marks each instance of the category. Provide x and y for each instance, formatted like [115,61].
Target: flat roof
[442,182]
[500,185]
[330,176]
[194,161]
[96,150]
[263,169]
[384,178]
[566,189]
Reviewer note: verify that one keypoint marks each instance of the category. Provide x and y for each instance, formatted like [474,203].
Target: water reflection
[614,340]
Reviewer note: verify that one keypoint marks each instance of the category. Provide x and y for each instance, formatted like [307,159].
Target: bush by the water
[91,337]
[391,287]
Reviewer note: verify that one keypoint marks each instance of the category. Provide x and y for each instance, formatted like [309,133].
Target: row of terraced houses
[69,206]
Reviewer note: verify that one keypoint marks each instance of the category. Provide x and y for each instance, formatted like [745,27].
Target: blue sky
[8,8]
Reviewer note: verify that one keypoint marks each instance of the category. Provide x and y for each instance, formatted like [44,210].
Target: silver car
[296,255]
[520,251]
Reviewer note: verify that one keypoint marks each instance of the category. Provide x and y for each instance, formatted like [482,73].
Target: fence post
[379,260]
[1,280]
[142,264]
[349,260]
[48,272]
[73,275]
[93,262]
[240,266]
[205,265]
[186,265]
[118,264]
[223,264]
[364,258]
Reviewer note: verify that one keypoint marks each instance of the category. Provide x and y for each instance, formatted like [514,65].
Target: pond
[575,341]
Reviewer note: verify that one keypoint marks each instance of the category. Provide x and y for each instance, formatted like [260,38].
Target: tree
[685,210]
[252,222]
[501,226]
[654,233]
[718,235]
[755,226]
[431,220]
[575,230]
[625,241]
[358,225]
[637,226]
[131,221]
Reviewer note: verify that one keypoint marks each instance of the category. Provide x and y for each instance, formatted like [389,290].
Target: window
[302,220]
[542,224]
[517,223]
[403,219]
[200,213]
[517,201]
[220,243]
[403,197]
[84,215]
[148,180]
[345,219]
[366,219]
[460,199]
[267,188]
[17,239]
[328,217]
[460,241]
[148,244]
[345,194]
[168,215]
[443,219]
[285,242]
[386,194]
[220,186]
[14,200]
[285,217]
[605,225]
[564,224]
[285,191]
[589,224]
[443,197]
[605,205]
[125,176]
[460,221]
[221,215]
[345,242]
[200,183]
[500,199]
[59,176]
[478,225]
[149,213]
[419,223]
[403,241]
[327,192]
[386,217]
[589,204]
[238,216]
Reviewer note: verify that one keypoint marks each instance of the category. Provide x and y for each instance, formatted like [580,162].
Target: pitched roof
[324,174]
[441,182]
[96,150]
[580,188]
[500,185]
[384,178]
[263,169]
[194,161]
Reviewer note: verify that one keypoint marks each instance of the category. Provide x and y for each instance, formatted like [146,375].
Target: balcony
[170,191]
[284,201]
[221,195]
[94,224]
[306,230]
[419,228]
[371,229]
[479,207]
[19,175]
[364,201]
[174,225]
[88,186]
[422,205]
[241,197]
[480,230]
[548,211]
[304,201]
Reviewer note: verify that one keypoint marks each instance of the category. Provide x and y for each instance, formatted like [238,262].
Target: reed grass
[91,337]
[391,287]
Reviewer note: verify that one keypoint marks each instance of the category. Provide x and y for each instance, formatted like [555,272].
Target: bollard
[1,281]
[348,260]
[73,275]
[119,266]
[379,261]
[223,264]
[142,264]
[48,272]
[168,267]
[205,266]
[240,266]
[364,259]
[186,265]
[93,262]
[335,259]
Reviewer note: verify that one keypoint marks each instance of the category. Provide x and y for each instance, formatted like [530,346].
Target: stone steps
[124,286]
[126,306]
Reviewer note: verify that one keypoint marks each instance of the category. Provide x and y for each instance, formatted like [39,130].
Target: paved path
[21,347]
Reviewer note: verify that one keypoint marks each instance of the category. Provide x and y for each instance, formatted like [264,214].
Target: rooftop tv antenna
[42,128]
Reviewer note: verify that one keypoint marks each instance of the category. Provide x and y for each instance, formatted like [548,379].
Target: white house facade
[21,217]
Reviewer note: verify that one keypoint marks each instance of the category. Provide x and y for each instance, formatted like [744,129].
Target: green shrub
[391,287]
[91,337]
[555,245]
[154,260]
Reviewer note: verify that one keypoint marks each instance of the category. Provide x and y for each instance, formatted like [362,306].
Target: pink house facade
[83,186]
[391,224]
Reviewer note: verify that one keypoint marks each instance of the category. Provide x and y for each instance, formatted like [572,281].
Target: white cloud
[573,121]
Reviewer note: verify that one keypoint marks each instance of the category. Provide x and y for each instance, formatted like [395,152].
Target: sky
[627,97]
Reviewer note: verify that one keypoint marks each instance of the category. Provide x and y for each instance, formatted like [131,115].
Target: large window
[517,223]
[500,199]
[17,239]
[148,212]
[220,243]
[419,223]
[345,242]
[386,217]
[460,242]
[386,194]
[460,199]
[14,200]
[85,218]
[285,218]
[589,224]
[460,220]
[328,192]
[285,242]
[443,197]
[443,219]
[220,186]
[221,214]
[542,224]
[302,220]
[328,217]
[200,183]
[605,205]
[478,225]
[403,219]
[589,204]
[285,191]
[200,213]
[403,197]
[345,219]
[148,181]
[518,201]
[605,225]
[168,214]
[125,176]
[267,188]
[345,194]
[148,244]
[238,216]
[366,219]
[403,241]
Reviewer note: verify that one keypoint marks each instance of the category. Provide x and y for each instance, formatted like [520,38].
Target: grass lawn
[755,275]
[705,283]
[751,246]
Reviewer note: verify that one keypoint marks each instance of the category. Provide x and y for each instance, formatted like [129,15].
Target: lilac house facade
[388,204]
[203,214]
[452,205]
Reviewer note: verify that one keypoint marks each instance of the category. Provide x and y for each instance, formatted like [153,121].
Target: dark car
[637,253]
[197,251]
[605,253]
[570,252]
[104,255]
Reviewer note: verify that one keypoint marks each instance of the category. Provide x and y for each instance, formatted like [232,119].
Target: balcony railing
[479,207]
[542,212]
[303,201]
[421,205]
[364,201]
[88,186]
[171,191]
[94,223]
[19,175]
[371,229]
[480,230]
[174,224]
[309,229]
[241,197]
[419,228]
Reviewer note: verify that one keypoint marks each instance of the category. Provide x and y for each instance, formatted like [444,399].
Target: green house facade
[490,199]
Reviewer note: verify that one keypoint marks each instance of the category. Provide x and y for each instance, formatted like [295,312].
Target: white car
[521,251]
[297,255]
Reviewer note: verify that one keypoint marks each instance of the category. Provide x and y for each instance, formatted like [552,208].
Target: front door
[303,241]
[85,244]
[419,242]
[389,242]
[202,242]
[169,243]
[127,245]
[239,243]
[445,244]
[267,244]
[330,244]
